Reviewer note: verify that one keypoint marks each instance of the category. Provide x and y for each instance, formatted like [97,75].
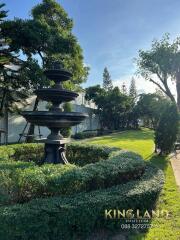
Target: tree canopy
[47,35]
[113,106]
[45,38]
[161,64]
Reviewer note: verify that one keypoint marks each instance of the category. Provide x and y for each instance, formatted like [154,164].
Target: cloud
[142,85]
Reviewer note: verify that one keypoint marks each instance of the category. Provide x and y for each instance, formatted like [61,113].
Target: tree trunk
[30,134]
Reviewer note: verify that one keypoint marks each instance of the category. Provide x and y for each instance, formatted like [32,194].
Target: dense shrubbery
[80,154]
[25,181]
[167,129]
[68,218]
[75,196]
[87,134]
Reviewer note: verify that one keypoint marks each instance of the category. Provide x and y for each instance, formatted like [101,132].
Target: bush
[70,200]
[51,180]
[82,154]
[87,134]
[77,153]
[22,152]
[167,129]
[71,217]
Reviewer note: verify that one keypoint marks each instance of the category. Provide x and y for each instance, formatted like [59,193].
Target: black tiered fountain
[55,118]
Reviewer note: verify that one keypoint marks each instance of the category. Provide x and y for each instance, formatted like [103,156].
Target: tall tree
[150,107]
[167,129]
[133,90]
[161,64]
[112,106]
[12,86]
[107,82]
[47,35]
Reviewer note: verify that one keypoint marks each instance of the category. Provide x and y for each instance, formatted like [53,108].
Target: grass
[141,141]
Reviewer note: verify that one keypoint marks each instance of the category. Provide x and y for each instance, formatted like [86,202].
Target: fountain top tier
[56,94]
[58,75]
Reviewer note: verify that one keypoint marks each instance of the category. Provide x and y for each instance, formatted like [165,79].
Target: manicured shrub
[50,180]
[167,129]
[103,178]
[82,154]
[76,216]
[22,152]
[77,153]
[87,134]
[5,152]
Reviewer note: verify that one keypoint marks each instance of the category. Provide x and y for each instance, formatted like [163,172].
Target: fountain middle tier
[55,95]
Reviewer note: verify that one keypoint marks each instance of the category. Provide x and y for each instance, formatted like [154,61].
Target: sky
[111,32]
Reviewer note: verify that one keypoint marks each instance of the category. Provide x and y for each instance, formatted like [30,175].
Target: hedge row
[77,153]
[71,217]
[20,182]
[87,134]
[82,154]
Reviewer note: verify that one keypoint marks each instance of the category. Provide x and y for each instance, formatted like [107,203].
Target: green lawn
[141,141]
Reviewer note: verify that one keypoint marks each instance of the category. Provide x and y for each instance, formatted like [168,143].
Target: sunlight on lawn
[141,141]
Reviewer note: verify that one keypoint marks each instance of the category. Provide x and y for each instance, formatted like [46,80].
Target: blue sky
[112,31]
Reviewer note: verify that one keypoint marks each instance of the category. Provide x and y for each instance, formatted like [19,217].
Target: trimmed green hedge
[82,154]
[77,153]
[87,134]
[24,181]
[69,200]
[70,217]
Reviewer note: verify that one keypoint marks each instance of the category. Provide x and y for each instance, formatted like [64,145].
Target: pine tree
[133,90]
[107,82]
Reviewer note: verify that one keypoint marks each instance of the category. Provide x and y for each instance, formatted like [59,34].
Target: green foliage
[77,153]
[162,61]
[141,141]
[49,35]
[150,108]
[75,216]
[133,90]
[66,132]
[167,129]
[82,154]
[107,82]
[22,152]
[10,91]
[113,106]
[87,134]
[23,181]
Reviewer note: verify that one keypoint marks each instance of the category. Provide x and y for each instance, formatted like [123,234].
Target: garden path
[175,162]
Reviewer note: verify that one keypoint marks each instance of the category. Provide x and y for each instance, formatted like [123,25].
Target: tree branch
[162,89]
[40,54]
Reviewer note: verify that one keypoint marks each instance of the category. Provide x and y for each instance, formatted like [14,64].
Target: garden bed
[68,201]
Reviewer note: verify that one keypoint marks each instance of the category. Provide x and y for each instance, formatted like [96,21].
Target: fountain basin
[56,95]
[54,119]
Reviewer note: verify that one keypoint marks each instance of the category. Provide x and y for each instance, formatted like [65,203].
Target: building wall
[17,123]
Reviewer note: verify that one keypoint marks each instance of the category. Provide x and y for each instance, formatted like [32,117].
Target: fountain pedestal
[55,118]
